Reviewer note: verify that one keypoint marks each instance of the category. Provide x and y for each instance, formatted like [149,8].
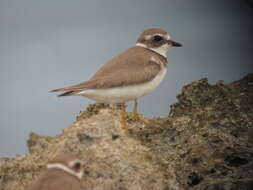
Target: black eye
[157,38]
[77,166]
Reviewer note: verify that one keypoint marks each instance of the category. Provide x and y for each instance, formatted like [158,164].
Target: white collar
[161,50]
[79,175]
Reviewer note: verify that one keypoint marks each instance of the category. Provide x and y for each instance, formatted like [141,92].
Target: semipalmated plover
[130,75]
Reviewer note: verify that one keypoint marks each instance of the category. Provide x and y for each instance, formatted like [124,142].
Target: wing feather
[123,70]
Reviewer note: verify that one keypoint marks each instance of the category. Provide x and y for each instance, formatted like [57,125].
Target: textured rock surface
[206,142]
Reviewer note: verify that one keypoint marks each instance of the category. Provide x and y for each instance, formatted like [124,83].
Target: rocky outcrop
[206,142]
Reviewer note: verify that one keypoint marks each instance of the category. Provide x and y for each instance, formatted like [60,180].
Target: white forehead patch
[167,37]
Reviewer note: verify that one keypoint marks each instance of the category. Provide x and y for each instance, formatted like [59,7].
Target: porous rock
[206,142]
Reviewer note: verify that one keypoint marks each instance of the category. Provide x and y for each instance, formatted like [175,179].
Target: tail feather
[68,93]
[57,90]
[71,90]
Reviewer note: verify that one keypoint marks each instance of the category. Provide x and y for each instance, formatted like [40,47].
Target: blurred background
[53,43]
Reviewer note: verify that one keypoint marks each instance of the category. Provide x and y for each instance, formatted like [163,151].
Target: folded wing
[127,71]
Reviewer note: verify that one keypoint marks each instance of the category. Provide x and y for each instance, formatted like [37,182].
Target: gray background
[52,43]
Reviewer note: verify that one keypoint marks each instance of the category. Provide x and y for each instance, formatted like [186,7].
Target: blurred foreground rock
[206,143]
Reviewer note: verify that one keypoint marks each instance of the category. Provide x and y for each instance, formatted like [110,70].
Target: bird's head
[69,163]
[157,40]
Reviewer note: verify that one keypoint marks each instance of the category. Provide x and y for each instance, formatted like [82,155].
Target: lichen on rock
[204,143]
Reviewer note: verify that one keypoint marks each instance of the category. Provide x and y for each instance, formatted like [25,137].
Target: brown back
[133,66]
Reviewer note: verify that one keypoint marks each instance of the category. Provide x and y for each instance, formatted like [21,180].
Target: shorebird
[130,75]
[63,173]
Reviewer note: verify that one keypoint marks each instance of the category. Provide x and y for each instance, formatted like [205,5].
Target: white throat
[160,50]
[79,175]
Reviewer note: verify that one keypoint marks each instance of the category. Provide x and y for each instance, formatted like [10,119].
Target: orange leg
[136,114]
[123,115]
[123,118]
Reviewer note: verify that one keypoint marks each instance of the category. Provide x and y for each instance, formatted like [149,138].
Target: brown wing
[130,67]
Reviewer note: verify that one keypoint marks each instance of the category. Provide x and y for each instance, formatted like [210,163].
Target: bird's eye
[157,38]
[77,166]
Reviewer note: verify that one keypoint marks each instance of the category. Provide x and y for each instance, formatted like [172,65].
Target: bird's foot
[138,117]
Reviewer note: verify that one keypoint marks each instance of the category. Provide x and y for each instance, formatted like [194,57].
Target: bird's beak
[174,44]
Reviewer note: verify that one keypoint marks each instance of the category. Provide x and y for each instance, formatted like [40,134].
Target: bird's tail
[66,93]
[57,90]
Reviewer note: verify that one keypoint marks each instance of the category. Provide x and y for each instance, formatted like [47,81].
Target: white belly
[124,94]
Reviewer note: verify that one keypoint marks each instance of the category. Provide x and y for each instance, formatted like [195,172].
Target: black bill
[174,44]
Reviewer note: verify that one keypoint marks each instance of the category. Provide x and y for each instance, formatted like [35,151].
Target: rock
[204,143]
[36,141]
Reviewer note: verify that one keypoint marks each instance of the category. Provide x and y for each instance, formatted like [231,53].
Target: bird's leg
[136,114]
[135,110]
[114,111]
[123,117]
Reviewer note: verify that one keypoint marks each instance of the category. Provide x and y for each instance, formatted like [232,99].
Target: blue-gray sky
[53,43]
